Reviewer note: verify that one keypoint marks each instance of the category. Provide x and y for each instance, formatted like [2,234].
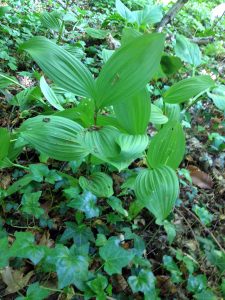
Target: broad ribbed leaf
[129,69]
[188,88]
[49,94]
[54,136]
[158,190]
[110,145]
[187,51]
[6,80]
[61,66]
[128,35]
[167,147]
[97,33]
[218,97]
[149,15]
[100,184]
[4,142]
[157,116]
[172,111]
[134,113]
[51,20]
[124,11]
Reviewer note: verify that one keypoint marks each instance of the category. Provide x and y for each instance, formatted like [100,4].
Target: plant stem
[195,100]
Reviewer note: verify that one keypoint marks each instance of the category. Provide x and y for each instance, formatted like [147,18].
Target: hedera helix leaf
[157,116]
[158,190]
[129,69]
[108,144]
[50,94]
[4,142]
[188,88]
[187,51]
[167,147]
[134,113]
[100,184]
[61,66]
[54,136]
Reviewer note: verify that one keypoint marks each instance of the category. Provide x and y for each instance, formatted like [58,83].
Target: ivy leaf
[115,257]
[24,247]
[144,282]
[30,204]
[81,234]
[172,267]
[99,183]
[98,284]
[206,295]
[196,284]
[35,291]
[204,215]
[86,202]
[170,230]
[70,268]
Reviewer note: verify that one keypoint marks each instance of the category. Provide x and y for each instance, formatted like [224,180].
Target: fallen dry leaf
[15,279]
[200,178]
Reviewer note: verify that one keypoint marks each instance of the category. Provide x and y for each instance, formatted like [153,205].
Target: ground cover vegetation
[112,139]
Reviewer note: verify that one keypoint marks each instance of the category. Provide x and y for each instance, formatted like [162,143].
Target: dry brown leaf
[200,178]
[15,279]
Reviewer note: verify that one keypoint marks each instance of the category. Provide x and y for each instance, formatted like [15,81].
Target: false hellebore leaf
[129,69]
[188,88]
[100,184]
[110,145]
[167,147]
[115,256]
[157,116]
[134,113]
[158,190]
[61,66]
[54,136]
[50,94]
[4,142]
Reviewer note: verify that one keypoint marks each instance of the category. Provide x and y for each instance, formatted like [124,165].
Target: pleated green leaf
[61,66]
[110,145]
[157,116]
[187,51]
[157,190]
[51,20]
[49,94]
[129,69]
[54,136]
[134,113]
[100,184]
[167,147]
[188,88]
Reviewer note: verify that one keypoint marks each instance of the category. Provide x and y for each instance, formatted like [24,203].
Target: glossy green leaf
[30,204]
[157,116]
[116,205]
[5,255]
[170,64]
[197,283]
[129,69]
[158,190]
[133,114]
[86,202]
[4,142]
[172,267]
[54,136]
[114,256]
[35,291]
[188,88]
[144,282]
[187,51]
[99,183]
[61,66]
[71,268]
[167,147]
[24,246]
[49,94]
